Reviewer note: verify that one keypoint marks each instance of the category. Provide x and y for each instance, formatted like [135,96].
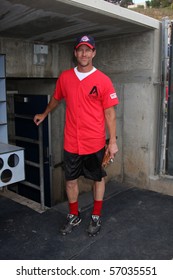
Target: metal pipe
[41,161]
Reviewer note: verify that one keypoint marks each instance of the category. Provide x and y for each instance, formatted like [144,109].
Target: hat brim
[85,43]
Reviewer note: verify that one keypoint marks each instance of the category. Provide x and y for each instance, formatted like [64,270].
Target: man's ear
[75,53]
[94,53]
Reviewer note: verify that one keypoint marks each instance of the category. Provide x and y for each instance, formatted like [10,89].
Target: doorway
[36,143]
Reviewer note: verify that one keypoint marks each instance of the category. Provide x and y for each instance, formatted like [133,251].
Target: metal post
[41,162]
[163,109]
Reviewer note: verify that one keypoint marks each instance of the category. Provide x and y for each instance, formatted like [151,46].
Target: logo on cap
[84,39]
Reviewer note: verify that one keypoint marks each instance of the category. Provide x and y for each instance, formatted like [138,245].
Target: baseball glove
[106,159]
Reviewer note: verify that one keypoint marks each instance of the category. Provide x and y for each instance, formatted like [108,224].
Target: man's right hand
[39,118]
[52,105]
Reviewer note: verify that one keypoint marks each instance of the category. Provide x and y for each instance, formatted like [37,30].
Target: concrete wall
[22,62]
[133,63]
[130,62]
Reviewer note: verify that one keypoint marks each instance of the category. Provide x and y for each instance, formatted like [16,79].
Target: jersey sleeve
[109,94]
[58,92]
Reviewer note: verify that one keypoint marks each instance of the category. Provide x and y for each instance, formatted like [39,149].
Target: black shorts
[89,166]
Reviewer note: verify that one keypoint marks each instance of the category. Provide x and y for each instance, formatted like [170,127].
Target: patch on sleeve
[113,95]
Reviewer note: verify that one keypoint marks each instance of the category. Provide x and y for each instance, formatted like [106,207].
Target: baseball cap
[85,40]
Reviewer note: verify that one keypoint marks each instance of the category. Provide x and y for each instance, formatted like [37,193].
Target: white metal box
[11,164]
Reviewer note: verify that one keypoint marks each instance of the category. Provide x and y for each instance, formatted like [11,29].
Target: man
[90,99]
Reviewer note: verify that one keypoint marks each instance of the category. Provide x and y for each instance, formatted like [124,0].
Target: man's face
[84,55]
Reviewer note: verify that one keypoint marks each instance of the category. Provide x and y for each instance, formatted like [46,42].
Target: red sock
[97,207]
[73,208]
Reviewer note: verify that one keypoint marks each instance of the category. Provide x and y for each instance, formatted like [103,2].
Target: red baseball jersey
[86,100]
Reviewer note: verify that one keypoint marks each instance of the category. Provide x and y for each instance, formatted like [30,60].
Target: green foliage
[148,4]
[165,3]
[155,3]
[160,3]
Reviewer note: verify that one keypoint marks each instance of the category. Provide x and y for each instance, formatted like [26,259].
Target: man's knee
[72,184]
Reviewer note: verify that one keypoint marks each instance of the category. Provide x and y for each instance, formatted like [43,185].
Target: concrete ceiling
[63,20]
